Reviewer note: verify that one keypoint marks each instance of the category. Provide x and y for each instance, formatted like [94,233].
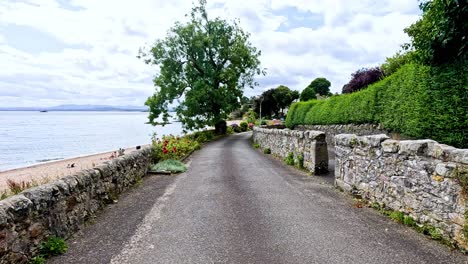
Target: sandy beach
[45,172]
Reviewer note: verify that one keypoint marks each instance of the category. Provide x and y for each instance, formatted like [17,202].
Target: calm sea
[28,138]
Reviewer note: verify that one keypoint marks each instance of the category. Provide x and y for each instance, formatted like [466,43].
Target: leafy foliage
[363,78]
[395,62]
[251,116]
[307,94]
[172,147]
[319,86]
[205,63]
[300,161]
[267,151]
[244,126]
[417,101]
[274,101]
[37,260]
[441,35]
[53,246]
[174,166]
[284,97]
[236,128]
[290,159]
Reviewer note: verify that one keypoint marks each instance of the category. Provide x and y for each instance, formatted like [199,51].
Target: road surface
[237,205]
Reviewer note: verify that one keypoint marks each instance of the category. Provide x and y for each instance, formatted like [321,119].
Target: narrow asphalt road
[237,205]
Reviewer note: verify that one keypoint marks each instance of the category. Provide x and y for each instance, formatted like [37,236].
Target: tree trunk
[221,127]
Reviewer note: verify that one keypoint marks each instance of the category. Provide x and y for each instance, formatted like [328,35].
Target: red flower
[165,150]
[174,149]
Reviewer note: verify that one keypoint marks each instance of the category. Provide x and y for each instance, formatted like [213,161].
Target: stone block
[445,169]
[347,140]
[390,146]
[459,155]
[372,140]
[415,147]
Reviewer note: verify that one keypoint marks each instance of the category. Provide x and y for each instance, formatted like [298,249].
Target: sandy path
[45,172]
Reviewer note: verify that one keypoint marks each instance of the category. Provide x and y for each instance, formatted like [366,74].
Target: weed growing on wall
[37,260]
[290,159]
[300,161]
[53,246]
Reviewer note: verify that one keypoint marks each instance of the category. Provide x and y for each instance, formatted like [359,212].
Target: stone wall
[60,208]
[332,130]
[421,178]
[311,144]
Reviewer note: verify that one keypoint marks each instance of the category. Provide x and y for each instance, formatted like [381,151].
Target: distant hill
[72,107]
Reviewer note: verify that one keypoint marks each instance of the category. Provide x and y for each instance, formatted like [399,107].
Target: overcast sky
[84,51]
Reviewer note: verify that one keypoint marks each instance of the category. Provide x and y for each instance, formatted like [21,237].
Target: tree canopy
[441,35]
[204,66]
[363,78]
[318,86]
[274,101]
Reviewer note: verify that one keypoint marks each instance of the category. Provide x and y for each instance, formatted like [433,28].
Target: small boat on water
[43,111]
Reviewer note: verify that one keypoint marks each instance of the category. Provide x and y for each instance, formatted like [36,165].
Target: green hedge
[417,101]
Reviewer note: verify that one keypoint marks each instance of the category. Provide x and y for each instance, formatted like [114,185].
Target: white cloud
[101,40]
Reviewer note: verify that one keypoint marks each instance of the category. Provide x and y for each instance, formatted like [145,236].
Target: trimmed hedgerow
[417,101]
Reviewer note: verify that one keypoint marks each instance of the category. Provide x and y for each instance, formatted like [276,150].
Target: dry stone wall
[62,207]
[421,178]
[332,130]
[310,144]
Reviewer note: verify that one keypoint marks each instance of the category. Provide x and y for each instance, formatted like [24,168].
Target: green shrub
[172,147]
[290,159]
[53,246]
[251,116]
[416,101]
[256,145]
[267,151]
[174,166]
[229,130]
[236,128]
[244,126]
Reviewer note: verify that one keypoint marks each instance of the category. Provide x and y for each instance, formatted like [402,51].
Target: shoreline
[68,158]
[44,172]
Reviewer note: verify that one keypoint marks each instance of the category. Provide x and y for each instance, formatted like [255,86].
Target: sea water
[28,138]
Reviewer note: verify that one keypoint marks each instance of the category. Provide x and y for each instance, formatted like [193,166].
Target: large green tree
[284,97]
[274,101]
[319,86]
[204,65]
[441,35]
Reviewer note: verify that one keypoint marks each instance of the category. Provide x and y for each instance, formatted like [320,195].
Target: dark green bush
[267,151]
[243,126]
[417,101]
